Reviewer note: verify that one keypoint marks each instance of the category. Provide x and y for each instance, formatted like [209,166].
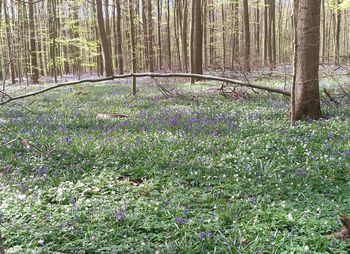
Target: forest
[174,126]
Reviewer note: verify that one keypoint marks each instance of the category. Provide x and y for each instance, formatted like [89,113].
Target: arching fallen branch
[153,75]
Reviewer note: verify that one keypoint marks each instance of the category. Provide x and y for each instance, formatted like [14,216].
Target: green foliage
[217,175]
[345,4]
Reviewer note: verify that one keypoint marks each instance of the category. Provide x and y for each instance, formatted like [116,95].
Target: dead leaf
[343,233]
[106,116]
[26,144]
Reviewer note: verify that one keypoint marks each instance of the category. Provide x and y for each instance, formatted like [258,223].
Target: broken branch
[153,75]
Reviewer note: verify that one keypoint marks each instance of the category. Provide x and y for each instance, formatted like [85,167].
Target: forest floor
[193,172]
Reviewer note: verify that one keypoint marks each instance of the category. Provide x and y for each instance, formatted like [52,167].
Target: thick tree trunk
[159,17]
[246,61]
[119,41]
[33,53]
[168,36]
[9,45]
[197,39]
[337,34]
[306,87]
[108,64]
[145,32]
[150,35]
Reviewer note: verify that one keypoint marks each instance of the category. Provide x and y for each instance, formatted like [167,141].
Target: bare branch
[153,75]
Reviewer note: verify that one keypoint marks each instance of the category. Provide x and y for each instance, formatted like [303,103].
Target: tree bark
[246,63]
[132,44]
[307,41]
[119,41]
[108,64]
[33,53]
[9,45]
[150,35]
[197,39]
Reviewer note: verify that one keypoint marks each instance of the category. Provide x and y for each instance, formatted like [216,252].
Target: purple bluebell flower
[330,135]
[68,140]
[43,171]
[120,215]
[182,220]
[23,186]
[300,173]
[347,153]
[205,235]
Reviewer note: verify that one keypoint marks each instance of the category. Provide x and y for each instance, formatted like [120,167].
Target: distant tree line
[56,37]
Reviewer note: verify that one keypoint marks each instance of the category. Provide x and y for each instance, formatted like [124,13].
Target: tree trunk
[150,35]
[132,44]
[159,17]
[108,64]
[257,28]
[145,32]
[306,103]
[168,35]
[246,64]
[33,53]
[119,41]
[9,44]
[197,39]
[337,17]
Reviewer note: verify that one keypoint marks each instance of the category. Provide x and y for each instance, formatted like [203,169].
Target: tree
[108,64]
[119,39]
[150,35]
[196,39]
[33,53]
[305,91]
[132,44]
[246,31]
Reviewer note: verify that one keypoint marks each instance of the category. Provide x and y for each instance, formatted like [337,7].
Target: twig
[330,97]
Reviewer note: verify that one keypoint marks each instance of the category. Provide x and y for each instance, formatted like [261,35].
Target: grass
[209,175]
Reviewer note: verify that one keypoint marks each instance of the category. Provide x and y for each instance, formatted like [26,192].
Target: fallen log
[153,75]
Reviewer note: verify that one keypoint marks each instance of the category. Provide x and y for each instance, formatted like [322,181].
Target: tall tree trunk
[53,36]
[119,41]
[266,33]
[337,34]
[108,64]
[235,35]
[324,31]
[33,52]
[9,45]
[223,36]
[306,104]
[159,19]
[132,44]
[257,28]
[246,31]
[145,33]
[197,39]
[150,35]
[273,31]
[168,35]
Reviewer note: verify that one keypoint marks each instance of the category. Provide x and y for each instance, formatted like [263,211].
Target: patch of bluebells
[43,171]
[187,121]
[23,186]
[205,235]
[182,220]
[120,215]
[347,153]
